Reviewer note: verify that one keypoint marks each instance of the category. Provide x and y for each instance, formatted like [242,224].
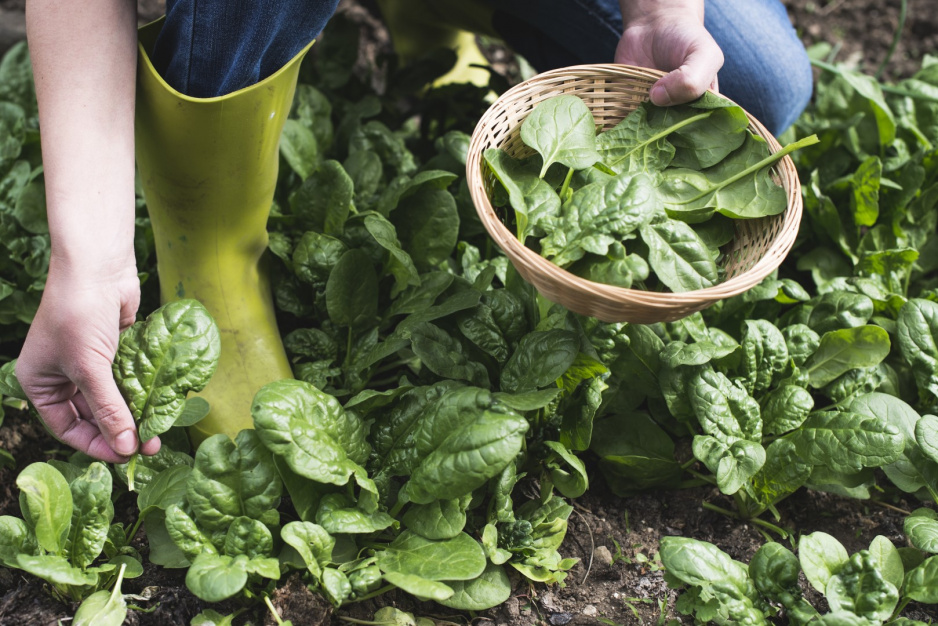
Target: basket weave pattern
[612,92]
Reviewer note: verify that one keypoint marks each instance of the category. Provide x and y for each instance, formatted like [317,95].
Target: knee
[779,86]
[767,70]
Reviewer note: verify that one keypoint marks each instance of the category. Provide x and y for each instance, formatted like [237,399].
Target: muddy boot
[419,27]
[209,167]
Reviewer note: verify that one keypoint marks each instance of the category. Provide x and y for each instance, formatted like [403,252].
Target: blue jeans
[209,47]
[766,68]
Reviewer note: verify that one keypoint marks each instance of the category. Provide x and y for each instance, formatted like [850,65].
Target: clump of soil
[862,31]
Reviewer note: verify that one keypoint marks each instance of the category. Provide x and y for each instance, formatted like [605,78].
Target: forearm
[636,10]
[84,62]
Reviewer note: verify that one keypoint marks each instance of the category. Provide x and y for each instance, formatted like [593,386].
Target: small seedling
[619,555]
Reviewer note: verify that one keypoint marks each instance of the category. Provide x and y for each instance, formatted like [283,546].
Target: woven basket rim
[770,260]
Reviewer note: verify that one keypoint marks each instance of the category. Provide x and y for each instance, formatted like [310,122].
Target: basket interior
[610,100]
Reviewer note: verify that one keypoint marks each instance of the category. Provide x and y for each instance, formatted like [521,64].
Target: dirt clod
[602,555]
[295,602]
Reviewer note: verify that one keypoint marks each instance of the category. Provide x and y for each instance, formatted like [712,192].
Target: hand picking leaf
[161,359]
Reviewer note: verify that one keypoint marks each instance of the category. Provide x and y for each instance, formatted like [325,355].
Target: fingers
[99,391]
[692,78]
[129,306]
[150,446]
[64,420]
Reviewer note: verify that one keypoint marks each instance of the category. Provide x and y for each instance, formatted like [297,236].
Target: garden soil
[618,579]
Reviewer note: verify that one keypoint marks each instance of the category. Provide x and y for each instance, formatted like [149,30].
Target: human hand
[65,364]
[672,39]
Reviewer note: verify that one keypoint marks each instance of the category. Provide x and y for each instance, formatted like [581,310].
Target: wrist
[92,230]
[651,11]
[79,269]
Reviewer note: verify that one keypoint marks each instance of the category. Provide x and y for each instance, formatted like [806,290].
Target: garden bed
[618,576]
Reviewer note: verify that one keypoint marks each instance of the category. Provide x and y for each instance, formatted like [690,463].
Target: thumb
[689,81]
[108,407]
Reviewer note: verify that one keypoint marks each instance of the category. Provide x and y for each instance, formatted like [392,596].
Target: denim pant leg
[210,48]
[766,68]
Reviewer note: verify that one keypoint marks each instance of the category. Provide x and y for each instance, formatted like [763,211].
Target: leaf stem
[382,381]
[781,532]
[363,621]
[688,464]
[900,608]
[395,364]
[665,133]
[810,140]
[903,13]
[566,184]
[273,611]
[397,508]
[886,505]
[741,506]
[521,221]
[932,493]
[131,468]
[707,479]
[899,91]
[117,584]
[369,596]
[133,531]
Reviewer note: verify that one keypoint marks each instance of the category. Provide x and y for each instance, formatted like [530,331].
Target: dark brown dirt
[618,577]
[862,31]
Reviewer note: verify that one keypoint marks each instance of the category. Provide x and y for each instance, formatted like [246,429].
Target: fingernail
[126,443]
[659,95]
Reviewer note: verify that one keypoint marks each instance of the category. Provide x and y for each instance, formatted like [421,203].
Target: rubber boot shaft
[418,27]
[209,168]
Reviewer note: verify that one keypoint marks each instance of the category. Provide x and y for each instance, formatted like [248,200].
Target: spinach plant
[66,535]
[871,586]
[159,361]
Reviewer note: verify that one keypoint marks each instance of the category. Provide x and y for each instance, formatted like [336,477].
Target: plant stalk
[117,585]
[932,493]
[781,532]
[886,505]
[133,531]
[769,160]
[273,611]
[899,91]
[566,184]
[707,479]
[369,596]
[397,508]
[688,464]
[131,468]
[903,13]
[666,132]
[364,621]
[395,365]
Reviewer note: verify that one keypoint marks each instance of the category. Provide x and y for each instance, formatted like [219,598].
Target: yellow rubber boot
[420,26]
[209,167]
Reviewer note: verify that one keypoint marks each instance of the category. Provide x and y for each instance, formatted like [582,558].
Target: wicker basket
[611,92]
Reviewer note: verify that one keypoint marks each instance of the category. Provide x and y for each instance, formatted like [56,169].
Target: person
[85,64]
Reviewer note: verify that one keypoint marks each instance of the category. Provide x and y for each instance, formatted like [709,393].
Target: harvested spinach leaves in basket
[648,203]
